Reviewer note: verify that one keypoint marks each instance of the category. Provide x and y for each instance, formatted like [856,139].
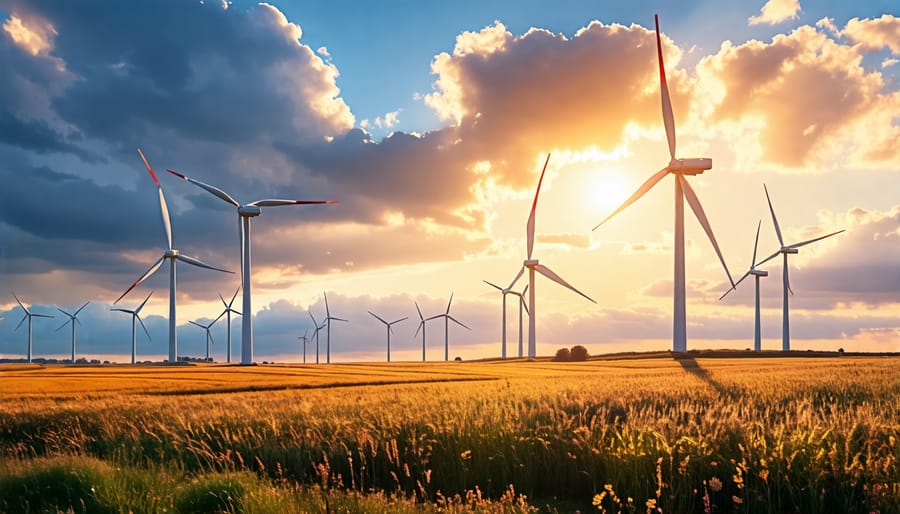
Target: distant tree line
[576,354]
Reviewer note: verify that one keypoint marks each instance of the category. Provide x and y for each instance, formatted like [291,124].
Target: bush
[579,353]
[563,355]
[77,486]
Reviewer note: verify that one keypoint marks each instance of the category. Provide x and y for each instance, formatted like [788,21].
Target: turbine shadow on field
[690,365]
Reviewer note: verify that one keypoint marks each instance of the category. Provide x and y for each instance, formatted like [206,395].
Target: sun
[607,189]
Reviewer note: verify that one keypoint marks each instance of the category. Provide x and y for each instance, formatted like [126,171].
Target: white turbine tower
[317,328]
[172,255]
[522,306]
[388,324]
[73,318]
[679,168]
[245,212]
[421,327]
[29,315]
[785,250]
[533,265]
[447,319]
[227,312]
[136,314]
[757,273]
[305,340]
[328,319]
[503,292]
[208,333]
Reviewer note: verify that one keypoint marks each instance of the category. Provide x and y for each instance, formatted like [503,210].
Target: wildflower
[466,455]
[737,500]
[764,475]
[715,484]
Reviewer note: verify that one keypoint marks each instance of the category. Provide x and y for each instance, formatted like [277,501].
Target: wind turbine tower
[757,273]
[533,265]
[305,340]
[388,324]
[522,306]
[447,319]
[245,213]
[73,318]
[29,315]
[328,319]
[679,168]
[786,250]
[317,328]
[421,327]
[136,315]
[172,255]
[209,337]
[227,312]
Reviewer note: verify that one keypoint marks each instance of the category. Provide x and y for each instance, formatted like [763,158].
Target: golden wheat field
[642,434]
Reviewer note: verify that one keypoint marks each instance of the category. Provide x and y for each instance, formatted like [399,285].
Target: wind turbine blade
[197,324]
[787,279]
[22,321]
[196,262]
[327,310]
[141,306]
[236,291]
[419,311]
[735,285]
[529,228]
[212,189]
[451,318]
[399,320]
[521,272]
[149,168]
[218,317]
[668,117]
[338,319]
[62,326]
[315,323]
[448,303]
[212,339]
[19,302]
[149,272]
[144,327]
[804,243]
[547,272]
[274,202]
[755,243]
[42,316]
[769,258]
[377,316]
[241,245]
[64,312]
[646,186]
[774,219]
[121,310]
[421,325]
[167,222]
[82,307]
[495,286]
[691,197]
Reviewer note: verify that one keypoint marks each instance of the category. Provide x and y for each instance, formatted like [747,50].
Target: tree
[563,355]
[579,353]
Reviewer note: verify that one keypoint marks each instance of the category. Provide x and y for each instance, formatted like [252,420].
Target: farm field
[642,434]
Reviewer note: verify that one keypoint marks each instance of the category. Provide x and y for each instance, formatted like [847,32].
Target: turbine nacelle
[788,249]
[249,211]
[693,166]
[171,254]
[759,272]
[530,263]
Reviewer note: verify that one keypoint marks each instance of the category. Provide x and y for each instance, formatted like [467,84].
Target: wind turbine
[503,292]
[757,273]
[522,305]
[73,318]
[421,327]
[534,265]
[679,168]
[208,333]
[228,310]
[245,212]
[305,340]
[29,315]
[447,319]
[388,324]
[328,319]
[136,314]
[318,328]
[785,250]
[172,255]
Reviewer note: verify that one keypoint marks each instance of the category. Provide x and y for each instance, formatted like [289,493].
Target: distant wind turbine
[73,318]
[328,319]
[522,306]
[245,212]
[757,273]
[227,312]
[785,250]
[503,293]
[533,265]
[679,168]
[305,340]
[447,319]
[421,327]
[172,255]
[136,315]
[209,338]
[388,324]
[29,315]
[317,328]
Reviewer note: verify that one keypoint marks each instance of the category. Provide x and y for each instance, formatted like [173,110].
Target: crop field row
[771,435]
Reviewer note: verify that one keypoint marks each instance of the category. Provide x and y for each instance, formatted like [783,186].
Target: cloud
[873,35]
[568,240]
[776,11]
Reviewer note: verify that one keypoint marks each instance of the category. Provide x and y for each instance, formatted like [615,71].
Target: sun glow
[607,190]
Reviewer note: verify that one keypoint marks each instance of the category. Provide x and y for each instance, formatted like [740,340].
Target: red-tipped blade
[150,169]
[529,228]
[668,117]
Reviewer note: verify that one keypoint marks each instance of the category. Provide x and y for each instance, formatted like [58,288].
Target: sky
[429,122]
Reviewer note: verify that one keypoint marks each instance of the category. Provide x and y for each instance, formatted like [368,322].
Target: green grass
[762,435]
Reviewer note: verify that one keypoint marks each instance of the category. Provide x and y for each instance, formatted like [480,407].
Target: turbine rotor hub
[171,253]
[530,263]
[249,211]
[790,250]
